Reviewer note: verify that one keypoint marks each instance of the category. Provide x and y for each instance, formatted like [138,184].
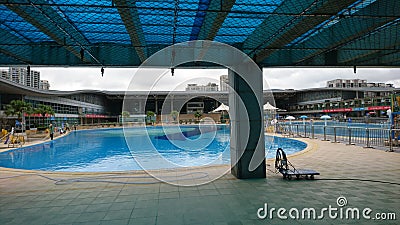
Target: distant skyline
[80,78]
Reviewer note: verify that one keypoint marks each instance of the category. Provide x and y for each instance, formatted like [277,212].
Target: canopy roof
[268,106]
[271,32]
[222,107]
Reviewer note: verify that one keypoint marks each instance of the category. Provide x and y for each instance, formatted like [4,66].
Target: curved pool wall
[105,150]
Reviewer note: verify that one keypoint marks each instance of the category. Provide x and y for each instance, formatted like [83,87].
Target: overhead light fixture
[82,52]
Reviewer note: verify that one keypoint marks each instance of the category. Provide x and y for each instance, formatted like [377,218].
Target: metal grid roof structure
[272,32]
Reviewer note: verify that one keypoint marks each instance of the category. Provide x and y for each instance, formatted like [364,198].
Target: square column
[247,144]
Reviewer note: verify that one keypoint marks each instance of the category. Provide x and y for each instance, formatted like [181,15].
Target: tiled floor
[32,199]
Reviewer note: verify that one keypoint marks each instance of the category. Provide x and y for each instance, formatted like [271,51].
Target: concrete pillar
[172,103]
[247,134]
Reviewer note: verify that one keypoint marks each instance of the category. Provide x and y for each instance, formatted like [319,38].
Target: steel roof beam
[48,21]
[130,17]
[296,26]
[390,43]
[361,31]
[381,57]
[214,19]
[6,47]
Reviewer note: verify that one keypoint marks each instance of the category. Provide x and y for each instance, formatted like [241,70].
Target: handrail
[368,136]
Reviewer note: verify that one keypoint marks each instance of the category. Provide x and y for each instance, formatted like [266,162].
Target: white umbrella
[268,106]
[222,107]
[290,118]
[325,117]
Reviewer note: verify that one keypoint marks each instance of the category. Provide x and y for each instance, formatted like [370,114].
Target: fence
[364,136]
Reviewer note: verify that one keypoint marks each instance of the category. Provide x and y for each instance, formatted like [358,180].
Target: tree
[44,110]
[174,114]
[198,114]
[150,116]
[29,111]
[125,114]
[18,108]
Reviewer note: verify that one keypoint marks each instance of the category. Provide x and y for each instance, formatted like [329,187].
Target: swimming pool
[107,149]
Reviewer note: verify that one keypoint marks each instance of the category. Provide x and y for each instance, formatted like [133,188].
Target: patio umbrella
[325,117]
[222,108]
[304,117]
[290,118]
[268,106]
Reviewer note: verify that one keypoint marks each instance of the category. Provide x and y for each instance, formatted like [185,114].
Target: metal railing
[368,137]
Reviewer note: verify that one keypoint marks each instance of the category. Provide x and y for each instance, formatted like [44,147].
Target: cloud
[75,78]
[301,78]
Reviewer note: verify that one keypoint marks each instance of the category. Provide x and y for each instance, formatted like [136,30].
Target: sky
[75,78]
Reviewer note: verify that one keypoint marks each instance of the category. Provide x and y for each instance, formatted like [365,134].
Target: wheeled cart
[288,171]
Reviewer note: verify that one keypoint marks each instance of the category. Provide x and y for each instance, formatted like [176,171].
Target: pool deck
[31,198]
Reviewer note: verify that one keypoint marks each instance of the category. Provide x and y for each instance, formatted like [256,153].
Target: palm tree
[18,108]
[44,110]
[198,114]
[29,111]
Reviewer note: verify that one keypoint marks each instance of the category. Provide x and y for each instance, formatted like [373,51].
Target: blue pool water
[107,149]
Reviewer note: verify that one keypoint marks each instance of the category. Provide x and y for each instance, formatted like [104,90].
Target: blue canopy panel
[164,22]
[352,9]
[272,32]
[244,18]
[199,19]
[98,25]
[17,26]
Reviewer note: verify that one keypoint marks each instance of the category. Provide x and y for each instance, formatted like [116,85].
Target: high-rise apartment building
[44,85]
[346,83]
[33,79]
[202,88]
[4,74]
[20,75]
[223,82]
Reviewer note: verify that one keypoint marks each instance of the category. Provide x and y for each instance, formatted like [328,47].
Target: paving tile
[115,222]
[144,212]
[118,214]
[67,218]
[98,207]
[91,217]
[163,220]
[73,209]
[122,206]
[147,221]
